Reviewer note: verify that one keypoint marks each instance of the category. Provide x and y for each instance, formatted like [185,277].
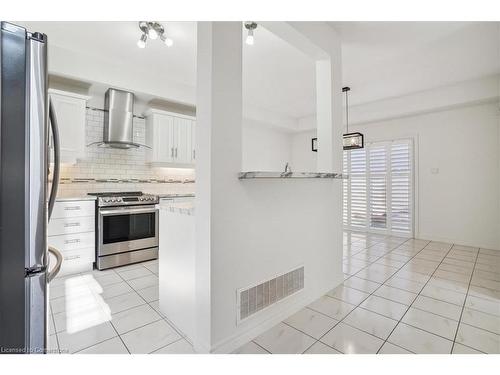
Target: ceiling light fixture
[141,43]
[152,33]
[250,26]
[166,40]
[153,30]
[355,140]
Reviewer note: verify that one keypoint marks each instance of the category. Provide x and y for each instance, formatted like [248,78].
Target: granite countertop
[290,175]
[70,198]
[178,195]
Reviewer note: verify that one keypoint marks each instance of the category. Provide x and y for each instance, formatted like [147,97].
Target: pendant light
[355,140]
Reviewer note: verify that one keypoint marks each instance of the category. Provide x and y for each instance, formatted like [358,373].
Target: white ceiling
[117,41]
[380,59]
[388,59]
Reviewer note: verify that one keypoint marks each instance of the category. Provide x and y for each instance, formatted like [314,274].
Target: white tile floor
[111,312]
[399,296]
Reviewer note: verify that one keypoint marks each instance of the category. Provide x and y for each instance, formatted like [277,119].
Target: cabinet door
[164,138]
[71,119]
[193,142]
[182,140]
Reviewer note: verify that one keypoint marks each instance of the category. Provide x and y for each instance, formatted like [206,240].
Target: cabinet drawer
[75,261]
[71,225]
[79,255]
[73,241]
[72,209]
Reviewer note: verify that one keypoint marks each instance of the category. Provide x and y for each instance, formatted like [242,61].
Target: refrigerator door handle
[57,149]
[57,267]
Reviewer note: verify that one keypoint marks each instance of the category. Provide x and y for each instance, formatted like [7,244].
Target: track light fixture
[153,30]
[141,43]
[250,26]
[166,40]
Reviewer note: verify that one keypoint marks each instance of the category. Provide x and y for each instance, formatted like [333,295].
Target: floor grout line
[260,346]
[338,321]
[370,294]
[119,336]
[427,258]
[465,301]
[164,346]
[161,316]
[418,294]
[182,335]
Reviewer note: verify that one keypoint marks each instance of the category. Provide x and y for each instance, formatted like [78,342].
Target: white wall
[249,231]
[303,158]
[264,148]
[460,203]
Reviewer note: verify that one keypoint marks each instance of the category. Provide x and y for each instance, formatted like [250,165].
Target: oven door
[124,229]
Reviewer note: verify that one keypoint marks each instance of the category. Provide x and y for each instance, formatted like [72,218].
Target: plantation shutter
[401,183]
[357,180]
[378,194]
[377,175]
[345,190]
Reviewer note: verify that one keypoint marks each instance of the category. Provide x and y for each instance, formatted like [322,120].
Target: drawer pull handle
[76,240]
[72,208]
[66,225]
[72,257]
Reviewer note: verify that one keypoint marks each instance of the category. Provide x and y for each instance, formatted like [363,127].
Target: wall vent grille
[256,298]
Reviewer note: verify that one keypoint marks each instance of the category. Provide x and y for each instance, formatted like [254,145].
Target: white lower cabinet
[72,232]
[171,139]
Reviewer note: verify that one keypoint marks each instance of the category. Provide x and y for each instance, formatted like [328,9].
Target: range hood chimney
[118,131]
[118,119]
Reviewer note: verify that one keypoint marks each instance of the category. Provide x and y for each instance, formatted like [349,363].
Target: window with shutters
[378,195]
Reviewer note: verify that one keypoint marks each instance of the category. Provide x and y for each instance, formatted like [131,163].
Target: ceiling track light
[153,30]
[141,43]
[250,26]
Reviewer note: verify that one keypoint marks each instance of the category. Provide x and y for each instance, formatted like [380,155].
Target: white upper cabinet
[70,109]
[170,137]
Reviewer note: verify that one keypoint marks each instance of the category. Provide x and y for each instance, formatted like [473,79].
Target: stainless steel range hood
[118,131]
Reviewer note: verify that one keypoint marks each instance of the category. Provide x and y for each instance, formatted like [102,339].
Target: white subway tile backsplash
[106,163]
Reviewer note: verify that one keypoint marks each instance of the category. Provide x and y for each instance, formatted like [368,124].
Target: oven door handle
[124,210]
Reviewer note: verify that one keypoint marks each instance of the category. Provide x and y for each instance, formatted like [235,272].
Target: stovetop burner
[124,198]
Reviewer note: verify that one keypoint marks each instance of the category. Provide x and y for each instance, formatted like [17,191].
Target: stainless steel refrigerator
[26,199]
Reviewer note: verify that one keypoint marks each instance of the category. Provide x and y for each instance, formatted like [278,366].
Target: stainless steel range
[126,228]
